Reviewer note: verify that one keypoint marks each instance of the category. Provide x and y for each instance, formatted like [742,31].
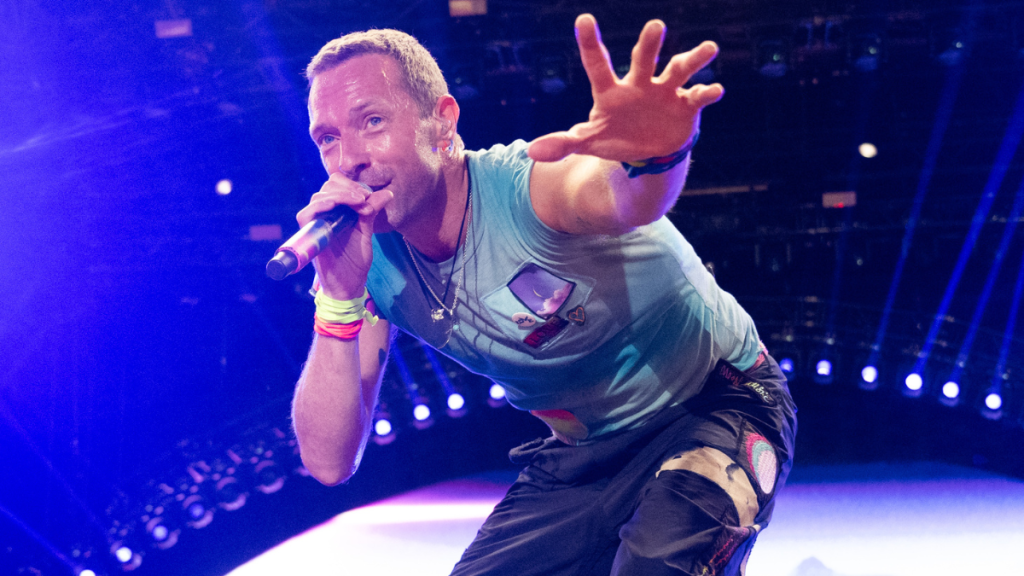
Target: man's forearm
[331,411]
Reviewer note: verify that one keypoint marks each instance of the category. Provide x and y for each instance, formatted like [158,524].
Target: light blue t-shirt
[642,322]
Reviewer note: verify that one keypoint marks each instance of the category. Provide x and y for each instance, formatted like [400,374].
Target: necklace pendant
[437,314]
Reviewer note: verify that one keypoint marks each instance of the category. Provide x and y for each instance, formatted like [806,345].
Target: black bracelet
[662,163]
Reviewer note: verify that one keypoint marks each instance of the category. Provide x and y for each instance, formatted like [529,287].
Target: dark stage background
[146,362]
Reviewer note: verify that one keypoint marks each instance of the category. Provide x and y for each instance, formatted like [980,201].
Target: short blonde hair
[423,78]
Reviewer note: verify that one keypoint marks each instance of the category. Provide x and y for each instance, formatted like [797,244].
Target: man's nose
[352,158]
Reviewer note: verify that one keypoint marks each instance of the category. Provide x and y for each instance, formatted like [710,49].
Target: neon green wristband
[334,311]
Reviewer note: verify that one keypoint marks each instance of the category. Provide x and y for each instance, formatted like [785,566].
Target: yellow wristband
[334,311]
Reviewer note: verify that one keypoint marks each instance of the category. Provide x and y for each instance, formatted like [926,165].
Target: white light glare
[86,572]
[914,381]
[123,554]
[382,427]
[224,187]
[421,412]
[868,150]
[994,401]
[497,392]
[950,390]
[160,533]
[869,374]
[824,368]
[456,401]
[786,364]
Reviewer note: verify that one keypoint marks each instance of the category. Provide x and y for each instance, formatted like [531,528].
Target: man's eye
[374,121]
[326,139]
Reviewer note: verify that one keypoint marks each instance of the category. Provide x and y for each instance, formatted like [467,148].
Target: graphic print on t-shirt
[541,291]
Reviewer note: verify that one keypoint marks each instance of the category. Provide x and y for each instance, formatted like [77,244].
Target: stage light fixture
[496,395]
[269,476]
[383,430]
[787,366]
[382,427]
[230,494]
[993,401]
[224,187]
[421,415]
[421,412]
[950,394]
[868,150]
[823,371]
[123,554]
[127,558]
[951,390]
[86,572]
[869,377]
[197,512]
[162,533]
[913,385]
[456,402]
[992,405]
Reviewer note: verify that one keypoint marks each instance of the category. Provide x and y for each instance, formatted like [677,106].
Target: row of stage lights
[385,429]
[913,384]
[223,480]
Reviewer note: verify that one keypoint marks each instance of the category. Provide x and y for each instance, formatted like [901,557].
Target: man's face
[368,128]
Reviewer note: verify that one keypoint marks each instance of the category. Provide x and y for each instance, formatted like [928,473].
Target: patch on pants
[763,462]
[725,548]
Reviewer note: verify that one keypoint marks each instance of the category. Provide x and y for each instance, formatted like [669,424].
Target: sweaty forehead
[356,81]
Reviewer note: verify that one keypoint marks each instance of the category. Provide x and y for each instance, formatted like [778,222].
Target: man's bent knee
[714,465]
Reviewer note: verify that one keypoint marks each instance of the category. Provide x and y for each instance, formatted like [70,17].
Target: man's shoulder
[502,154]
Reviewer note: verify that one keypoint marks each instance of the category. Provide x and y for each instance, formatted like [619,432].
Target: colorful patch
[564,425]
[540,290]
[763,462]
[524,320]
[577,315]
[545,332]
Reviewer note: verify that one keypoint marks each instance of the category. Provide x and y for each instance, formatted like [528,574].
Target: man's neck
[439,242]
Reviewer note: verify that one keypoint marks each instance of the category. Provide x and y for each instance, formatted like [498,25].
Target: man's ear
[447,113]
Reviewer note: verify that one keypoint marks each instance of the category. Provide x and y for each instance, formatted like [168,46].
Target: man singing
[550,268]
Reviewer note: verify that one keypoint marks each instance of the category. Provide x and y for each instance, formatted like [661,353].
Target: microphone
[305,244]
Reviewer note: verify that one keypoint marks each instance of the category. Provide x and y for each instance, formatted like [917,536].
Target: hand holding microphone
[316,234]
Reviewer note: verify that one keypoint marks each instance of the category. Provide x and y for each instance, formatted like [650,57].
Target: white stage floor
[865,520]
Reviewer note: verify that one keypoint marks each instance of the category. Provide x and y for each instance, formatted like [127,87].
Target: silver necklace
[438,314]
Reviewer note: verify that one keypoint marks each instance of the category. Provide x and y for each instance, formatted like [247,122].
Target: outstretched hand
[641,115]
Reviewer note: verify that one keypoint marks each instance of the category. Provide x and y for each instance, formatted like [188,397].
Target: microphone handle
[305,244]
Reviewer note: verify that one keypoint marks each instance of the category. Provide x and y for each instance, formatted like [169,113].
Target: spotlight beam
[37,537]
[947,101]
[1008,148]
[986,292]
[1011,325]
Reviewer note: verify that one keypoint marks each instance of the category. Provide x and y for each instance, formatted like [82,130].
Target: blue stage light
[497,392]
[421,412]
[123,554]
[993,401]
[196,510]
[951,390]
[456,401]
[787,366]
[914,382]
[869,374]
[383,427]
[823,368]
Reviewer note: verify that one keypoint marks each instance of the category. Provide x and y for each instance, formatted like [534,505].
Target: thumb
[553,147]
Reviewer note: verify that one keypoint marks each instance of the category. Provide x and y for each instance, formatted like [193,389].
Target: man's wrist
[660,164]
